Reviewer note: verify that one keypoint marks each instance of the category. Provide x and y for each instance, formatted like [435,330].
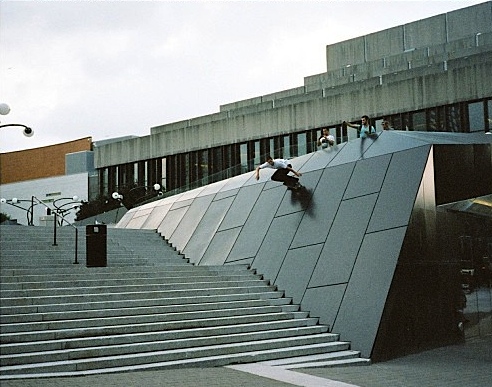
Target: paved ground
[467,365]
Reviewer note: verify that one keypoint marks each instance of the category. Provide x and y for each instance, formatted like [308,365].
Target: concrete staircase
[148,309]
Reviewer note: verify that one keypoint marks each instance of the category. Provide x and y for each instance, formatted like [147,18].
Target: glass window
[203,169]
[395,121]
[286,147]
[418,121]
[302,147]
[271,151]
[453,118]
[104,182]
[489,115]
[257,153]
[243,153]
[476,117]
[163,174]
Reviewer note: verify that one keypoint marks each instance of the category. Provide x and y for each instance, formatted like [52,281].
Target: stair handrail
[75,262]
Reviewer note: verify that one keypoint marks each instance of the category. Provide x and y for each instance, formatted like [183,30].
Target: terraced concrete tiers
[69,319]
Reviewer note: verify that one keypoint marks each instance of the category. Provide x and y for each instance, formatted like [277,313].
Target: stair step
[258,350]
[137,319]
[107,297]
[157,345]
[183,300]
[148,309]
[293,362]
[139,328]
[131,337]
[147,286]
[133,311]
[332,363]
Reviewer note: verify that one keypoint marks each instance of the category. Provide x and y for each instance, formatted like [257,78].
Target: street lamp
[16,202]
[60,210]
[4,110]
[129,202]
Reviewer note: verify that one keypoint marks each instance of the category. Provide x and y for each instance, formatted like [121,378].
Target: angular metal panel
[155,218]
[323,302]
[191,194]
[368,176]
[399,190]
[321,158]
[240,209]
[220,247]
[258,222]
[237,181]
[181,203]
[213,188]
[225,194]
[189,222]
[340,250]
[276,244]
[296,270]
[351,152]
[171,221]
[392,141]
[364,300]
[324,203]
[300,200]
[207,227]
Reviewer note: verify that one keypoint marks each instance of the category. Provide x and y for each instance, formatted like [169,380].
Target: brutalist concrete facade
[431,62]
[360,249]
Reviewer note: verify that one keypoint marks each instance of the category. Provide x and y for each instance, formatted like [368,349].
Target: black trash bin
[96,245]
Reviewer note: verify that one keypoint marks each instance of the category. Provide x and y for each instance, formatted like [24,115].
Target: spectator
[365,129]
[326,139]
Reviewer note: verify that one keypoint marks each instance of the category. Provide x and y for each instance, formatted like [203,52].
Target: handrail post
[76,245]
[54,231]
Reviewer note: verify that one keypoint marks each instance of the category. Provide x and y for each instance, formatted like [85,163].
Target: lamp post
[16,202]
[60,210]
[4,110]
[129,201]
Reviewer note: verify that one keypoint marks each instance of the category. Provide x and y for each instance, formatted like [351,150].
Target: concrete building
[428,75]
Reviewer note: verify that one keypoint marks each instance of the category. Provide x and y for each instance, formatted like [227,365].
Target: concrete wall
[426,63]
[433,31]
[435,84]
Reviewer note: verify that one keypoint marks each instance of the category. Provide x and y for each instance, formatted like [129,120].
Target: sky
[106,69]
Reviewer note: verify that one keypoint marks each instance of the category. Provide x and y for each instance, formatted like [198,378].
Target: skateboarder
[283,167]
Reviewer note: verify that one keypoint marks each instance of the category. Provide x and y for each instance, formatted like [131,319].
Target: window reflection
[243,154]
[453,118]
[476,117]
[418,121]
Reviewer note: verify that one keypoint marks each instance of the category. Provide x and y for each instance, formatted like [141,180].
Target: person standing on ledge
[326,139]
[386,125]
[283,167]
[365,128]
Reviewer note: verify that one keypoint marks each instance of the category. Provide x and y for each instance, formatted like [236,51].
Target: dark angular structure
[367,248]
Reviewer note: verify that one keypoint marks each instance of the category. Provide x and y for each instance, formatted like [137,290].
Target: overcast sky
[71,69]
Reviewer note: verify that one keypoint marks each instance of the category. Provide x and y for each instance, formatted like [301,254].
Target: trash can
[96,245]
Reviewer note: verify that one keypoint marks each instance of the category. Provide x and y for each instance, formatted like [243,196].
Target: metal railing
[55,226]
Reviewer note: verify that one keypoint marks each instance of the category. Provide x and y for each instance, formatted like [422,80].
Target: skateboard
[296,188]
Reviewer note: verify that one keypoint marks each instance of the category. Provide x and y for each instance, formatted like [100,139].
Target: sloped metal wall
[335,248]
